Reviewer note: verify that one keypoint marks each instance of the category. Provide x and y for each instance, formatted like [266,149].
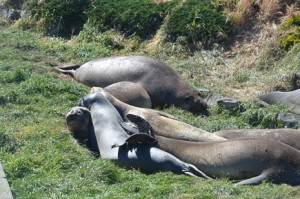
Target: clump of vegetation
[291,33]
[245,13]
[198,21]
[130,17]
[62,18]
[263,117]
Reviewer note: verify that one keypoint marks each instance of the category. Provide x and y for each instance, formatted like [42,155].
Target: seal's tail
[68,72]
[194,171]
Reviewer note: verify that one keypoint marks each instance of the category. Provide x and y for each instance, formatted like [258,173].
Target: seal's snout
[200,107]
[76,115]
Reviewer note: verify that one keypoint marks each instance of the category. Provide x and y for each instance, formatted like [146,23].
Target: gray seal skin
[162,123]
[289,99]
[164,86]
[250,160]
[287,136]
[108,133]
[128,92]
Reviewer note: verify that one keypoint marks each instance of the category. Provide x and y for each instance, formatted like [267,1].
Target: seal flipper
[68,72]
[68,67]
[253,181]
[141,123]
[130,129]
[194,171]
[136,140]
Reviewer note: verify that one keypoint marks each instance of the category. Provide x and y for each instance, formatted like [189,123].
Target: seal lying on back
[249,160]
[128,92]
[109,132]
[164,86]
[289,99]
[290,137]
[162,123]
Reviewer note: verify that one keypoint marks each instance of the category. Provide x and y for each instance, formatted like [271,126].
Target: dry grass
[246,13]
[250,67]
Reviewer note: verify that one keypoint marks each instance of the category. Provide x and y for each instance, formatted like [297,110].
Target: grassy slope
[42,160]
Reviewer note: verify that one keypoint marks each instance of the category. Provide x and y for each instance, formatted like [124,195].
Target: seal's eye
[187,98]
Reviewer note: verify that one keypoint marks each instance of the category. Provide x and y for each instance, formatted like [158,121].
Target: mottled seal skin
[287,136]
[78,121]
[289,99]
[250,160]
[129,93]
[109,133]
[162,123]
[164,86]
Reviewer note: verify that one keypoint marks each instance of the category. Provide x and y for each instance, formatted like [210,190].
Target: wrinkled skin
[164,86]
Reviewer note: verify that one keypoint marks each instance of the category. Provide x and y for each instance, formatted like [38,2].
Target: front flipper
[141,123]
[129,128]
[137,140]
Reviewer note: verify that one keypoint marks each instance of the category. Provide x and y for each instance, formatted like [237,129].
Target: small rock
[288,120]
[260,103]
[228,103]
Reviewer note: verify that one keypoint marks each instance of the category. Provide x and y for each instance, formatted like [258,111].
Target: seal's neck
[107,128]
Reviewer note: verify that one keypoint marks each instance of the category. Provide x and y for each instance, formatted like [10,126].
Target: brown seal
[162,123]
[164,86]
[129,93]
[250,160]
[287,136]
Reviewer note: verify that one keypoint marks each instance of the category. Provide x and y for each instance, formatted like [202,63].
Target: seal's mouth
[199,108]
[74,117]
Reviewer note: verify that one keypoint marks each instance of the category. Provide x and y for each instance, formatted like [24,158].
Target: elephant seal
[162,123]
[109,133]
[290,137]
[249,160]
[164,86]
[129,93]
[289,99]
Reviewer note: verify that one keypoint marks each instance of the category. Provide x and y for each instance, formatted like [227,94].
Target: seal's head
[193,102]
[78,122]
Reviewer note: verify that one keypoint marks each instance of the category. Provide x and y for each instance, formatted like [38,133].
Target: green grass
[42,160]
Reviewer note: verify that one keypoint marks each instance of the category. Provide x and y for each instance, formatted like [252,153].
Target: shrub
[263,117]
[291,33]
[62,18]
[130,17]
[198,21]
